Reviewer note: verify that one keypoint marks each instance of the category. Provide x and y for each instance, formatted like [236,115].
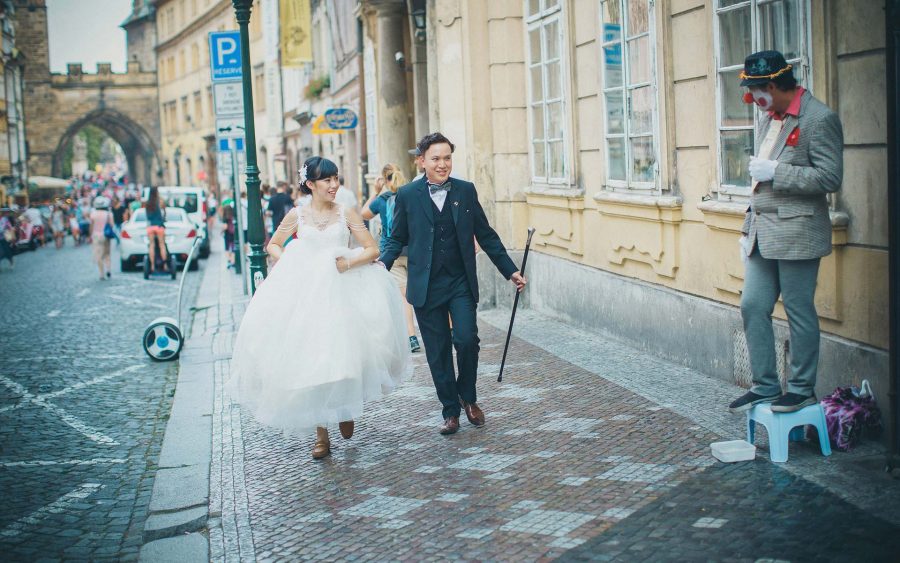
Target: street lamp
[418,16]
[257,257]
[419,23]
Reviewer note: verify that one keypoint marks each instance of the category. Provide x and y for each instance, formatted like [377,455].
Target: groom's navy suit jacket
[413,226]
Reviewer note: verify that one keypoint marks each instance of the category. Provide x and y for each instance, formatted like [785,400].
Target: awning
[47,182]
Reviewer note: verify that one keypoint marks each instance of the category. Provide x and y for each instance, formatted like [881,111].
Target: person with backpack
[381,203]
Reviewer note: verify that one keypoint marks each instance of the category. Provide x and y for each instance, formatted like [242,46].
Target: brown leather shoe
[473,413]
[322,448]
[346,429]
[450,426]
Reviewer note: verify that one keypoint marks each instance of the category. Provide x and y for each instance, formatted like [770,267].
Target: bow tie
[435,188]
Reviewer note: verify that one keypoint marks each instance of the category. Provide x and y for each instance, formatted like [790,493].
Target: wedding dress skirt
[314,344]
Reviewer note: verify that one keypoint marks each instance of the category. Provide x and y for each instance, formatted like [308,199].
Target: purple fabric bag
[851,413]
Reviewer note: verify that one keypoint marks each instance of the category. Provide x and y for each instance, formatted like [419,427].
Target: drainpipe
[892,37]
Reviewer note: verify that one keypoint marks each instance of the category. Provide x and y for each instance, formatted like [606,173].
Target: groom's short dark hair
[435,138]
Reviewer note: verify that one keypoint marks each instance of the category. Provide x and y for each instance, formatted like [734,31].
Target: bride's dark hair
[317,168]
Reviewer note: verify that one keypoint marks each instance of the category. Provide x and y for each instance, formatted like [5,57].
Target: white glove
[762,170]
[742,243]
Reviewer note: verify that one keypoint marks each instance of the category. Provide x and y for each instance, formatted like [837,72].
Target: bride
[325,332]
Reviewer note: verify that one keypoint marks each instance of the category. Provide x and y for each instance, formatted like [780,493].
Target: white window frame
[802,71]
[628,183]
[540,20]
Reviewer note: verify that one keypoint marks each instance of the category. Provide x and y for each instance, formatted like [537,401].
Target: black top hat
[763,67]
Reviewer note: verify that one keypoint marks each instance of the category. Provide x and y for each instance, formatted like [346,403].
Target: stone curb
[183,548]
[179,504]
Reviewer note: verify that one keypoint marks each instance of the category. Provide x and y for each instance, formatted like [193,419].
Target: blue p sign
[225,55]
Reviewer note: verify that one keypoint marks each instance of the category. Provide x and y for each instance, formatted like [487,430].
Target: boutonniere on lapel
[793,138]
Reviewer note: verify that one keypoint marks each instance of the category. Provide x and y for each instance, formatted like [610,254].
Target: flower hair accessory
[303,175]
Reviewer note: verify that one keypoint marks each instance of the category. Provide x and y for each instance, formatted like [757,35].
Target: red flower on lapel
[793,138]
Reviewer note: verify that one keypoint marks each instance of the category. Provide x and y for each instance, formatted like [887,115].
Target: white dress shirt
[438,198]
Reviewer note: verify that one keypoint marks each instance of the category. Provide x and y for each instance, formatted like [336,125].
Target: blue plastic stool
[783,428]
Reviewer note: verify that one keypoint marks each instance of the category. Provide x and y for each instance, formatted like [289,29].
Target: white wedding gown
[315,344]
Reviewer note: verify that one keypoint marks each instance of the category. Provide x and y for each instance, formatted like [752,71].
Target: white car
[193,200]
[180,235]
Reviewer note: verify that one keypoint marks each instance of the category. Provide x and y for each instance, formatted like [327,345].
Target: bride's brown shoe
[346,429]
[321,449]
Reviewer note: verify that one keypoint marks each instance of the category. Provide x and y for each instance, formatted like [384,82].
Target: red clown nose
[748,98]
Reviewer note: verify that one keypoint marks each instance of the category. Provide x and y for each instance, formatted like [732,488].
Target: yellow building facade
[616,128]
[186,101]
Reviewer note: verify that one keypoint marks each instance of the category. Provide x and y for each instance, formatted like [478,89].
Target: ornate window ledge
[557,212]
[662,208]
[729,216]
[563,191]
[653,241]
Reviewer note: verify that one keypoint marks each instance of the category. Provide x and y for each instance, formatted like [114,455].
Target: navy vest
[446,254]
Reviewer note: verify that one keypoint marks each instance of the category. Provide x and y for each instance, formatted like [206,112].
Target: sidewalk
[592,450]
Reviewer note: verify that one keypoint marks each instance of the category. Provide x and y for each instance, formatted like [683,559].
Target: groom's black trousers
[448,295]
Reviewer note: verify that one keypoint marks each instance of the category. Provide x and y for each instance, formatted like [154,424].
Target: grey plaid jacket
[788,216]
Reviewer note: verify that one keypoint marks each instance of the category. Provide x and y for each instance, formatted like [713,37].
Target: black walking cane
[512,318]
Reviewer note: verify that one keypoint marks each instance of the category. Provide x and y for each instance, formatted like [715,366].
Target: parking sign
[225,55]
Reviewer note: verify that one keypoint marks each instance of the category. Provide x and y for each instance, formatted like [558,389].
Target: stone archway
[139,147]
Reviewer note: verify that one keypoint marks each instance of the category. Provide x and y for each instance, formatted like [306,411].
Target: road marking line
[132,301]
[85,356]
[75,387]
[56,507]
[96,380]
[41,463]
[89,432]
[53,313]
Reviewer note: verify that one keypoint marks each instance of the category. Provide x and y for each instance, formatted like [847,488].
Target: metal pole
[255,225]
[239,257]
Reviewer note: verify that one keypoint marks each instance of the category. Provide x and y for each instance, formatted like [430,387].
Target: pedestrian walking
[292,366]
[118,211]
[74,227]
[84,218]
[440,219]
[787,228]
[8,238]
[381,204]
[345,196]
[100,218]
[279,205]
[58,225]
[212,206]
[156,228]
[228,230]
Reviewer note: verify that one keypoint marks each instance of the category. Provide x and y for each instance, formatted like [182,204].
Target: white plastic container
[734,450]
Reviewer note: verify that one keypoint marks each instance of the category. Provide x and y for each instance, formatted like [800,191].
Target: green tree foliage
[94,137]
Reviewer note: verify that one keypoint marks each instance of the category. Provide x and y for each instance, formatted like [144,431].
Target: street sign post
[226,68]
[225,55]
[228,98]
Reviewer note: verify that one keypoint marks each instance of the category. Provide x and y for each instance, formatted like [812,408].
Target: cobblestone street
[82,408]
[592,450]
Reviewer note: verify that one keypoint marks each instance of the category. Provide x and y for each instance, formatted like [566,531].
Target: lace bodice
[326,230]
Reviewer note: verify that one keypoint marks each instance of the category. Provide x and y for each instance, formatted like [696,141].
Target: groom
[439,218]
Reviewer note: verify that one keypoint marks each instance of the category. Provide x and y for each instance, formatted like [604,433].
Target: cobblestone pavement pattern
[82,408]
[576,452]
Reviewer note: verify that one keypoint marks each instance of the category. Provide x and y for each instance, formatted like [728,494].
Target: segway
[163,338]
[159,265]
